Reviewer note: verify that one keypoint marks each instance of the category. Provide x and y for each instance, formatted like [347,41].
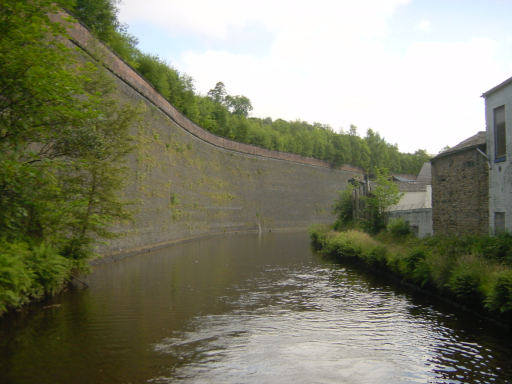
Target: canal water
[246,309]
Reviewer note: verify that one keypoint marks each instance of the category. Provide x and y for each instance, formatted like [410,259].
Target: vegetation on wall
[63,141]
[228,115]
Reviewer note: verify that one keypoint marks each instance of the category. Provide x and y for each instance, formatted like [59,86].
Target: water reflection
[247,309]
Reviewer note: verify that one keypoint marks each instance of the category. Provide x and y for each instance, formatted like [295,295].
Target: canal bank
[251,309]
[471,272]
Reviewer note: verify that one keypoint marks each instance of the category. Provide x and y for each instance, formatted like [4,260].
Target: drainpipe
[486,157]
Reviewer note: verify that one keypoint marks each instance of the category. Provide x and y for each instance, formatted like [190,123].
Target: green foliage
[50,270]
[383,194]
[449,266]
[227,115]
[63,143]
[399,228]
[15,278]
[497,248]
[501,296]
[318,233]
[343,208]
[414,266]
[464,282]
[28,272]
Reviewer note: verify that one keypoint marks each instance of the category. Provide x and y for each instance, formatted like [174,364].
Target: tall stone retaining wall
[189,182]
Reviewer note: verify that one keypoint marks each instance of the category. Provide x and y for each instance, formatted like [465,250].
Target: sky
[412,70]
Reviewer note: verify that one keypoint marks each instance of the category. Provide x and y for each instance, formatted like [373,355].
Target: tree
[218,93]
[63,144]
[383,194]
[238,105]
[100,16]
[57,125]
[344,208]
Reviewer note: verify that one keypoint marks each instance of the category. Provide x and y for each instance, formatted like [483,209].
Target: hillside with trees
[228,115]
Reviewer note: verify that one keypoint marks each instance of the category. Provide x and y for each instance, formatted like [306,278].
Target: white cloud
[424,25]
[214,19]
[328,63]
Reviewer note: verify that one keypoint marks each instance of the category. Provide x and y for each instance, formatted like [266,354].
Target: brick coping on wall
[81,37]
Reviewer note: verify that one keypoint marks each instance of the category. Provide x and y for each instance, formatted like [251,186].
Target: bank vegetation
[473,271]
[63,145]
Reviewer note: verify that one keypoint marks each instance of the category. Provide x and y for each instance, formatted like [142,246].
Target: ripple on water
[307,329]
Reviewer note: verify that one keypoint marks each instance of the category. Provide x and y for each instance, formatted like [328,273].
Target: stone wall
[189,182]
[460,193]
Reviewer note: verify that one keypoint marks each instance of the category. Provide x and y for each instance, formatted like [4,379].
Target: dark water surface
[243,309]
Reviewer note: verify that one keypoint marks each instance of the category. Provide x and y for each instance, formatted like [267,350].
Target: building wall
[416,209]
[460,193]
[188,182]
[500,176]
[420,220]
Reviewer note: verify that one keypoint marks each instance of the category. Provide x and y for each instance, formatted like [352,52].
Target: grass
[475,271]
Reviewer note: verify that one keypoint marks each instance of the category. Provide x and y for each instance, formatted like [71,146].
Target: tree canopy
[228,115]
[63,141]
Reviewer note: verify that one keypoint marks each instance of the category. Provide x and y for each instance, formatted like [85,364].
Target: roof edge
[497,88]
[458,150]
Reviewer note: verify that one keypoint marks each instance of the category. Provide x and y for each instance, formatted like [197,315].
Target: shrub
[464,281]
[51,271]
[343,246]
[15,279]
[414,266]
[30,272]
[399,228]
[501,295]
[318,234]
[376,257]
[497,248]
[343,208]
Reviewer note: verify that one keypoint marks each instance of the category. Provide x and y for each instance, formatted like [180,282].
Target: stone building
[460,188]
[498,118]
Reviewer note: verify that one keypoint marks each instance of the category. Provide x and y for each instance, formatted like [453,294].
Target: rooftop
[498,87]
[475,141]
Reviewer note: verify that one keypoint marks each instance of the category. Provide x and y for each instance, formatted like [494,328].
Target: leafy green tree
[220,112]
[100,16]
[59,132]
[238,105]
[344,208]
[384,193]
[218,93]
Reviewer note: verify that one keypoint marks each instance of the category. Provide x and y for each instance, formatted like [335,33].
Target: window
[500,146]
[499,222]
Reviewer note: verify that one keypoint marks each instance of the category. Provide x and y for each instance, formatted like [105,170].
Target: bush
[342,246]
[447,265]
[501,295]
[343,208]
[318,234]
[399,228]
[30,272]
[376,257]
[15,278]
[464,283]
[51,271]
[497,248]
